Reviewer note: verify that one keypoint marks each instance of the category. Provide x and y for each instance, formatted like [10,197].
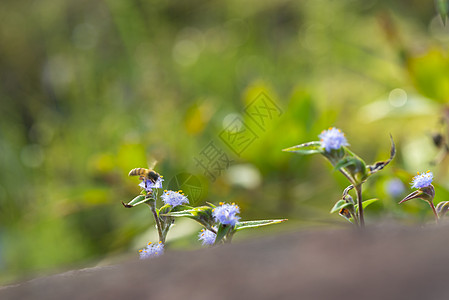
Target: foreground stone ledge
[380,263]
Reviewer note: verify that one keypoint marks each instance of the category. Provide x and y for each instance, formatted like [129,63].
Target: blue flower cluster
[174,198]
[333,138]
[207,237]
[422,180]
[226,214]
[152,250]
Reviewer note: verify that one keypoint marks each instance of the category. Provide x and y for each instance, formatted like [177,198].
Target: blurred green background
[92,89]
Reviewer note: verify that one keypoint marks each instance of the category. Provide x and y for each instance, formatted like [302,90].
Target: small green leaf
[184,213]
[352,165]
[221,233]
[165,209]
[306,148]
[426,193]
[201,214]
[349,162]
[258,223]
[366,203]
[136,201]
[211,204]
[340,205]
[442,208]
[413,195]
[181,208]
[177,211]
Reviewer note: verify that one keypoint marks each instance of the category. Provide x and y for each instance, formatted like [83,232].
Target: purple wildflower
[333,138]
[149,185]
[174,198]
[207,237]
[152,250]
[226,214]
[422,180]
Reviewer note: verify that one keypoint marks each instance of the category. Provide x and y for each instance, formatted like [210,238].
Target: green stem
[229,236]
[434,211]
[358,190]
[356,220]
[158,222]
[345,173]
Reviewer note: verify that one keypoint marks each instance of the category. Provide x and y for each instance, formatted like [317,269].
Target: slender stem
[229,236]
[158,223]
[434,211]
[356,220]
[351,180]
[358,189]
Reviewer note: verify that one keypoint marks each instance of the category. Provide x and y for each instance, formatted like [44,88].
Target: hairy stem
[229,237]
[358,189]
[345,173]
[434,211]
[356,220]
[158,223]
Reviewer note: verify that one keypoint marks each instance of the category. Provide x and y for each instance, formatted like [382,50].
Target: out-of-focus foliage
[92,89]
[443,8]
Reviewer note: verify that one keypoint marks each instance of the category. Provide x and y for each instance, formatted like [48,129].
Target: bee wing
[152,165]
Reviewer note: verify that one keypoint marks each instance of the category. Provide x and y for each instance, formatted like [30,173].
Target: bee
[149,174]
[146,175]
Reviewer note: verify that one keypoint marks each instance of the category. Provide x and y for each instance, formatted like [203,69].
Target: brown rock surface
[380,263]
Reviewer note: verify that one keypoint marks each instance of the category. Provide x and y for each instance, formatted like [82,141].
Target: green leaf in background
[306,148]
[255,224]
[340,205]
[37,133]
[429,72]
[136,201]
[442,7]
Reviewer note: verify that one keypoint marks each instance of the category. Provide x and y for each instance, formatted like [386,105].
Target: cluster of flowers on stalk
[333,145]
[426,191]
[220,223]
